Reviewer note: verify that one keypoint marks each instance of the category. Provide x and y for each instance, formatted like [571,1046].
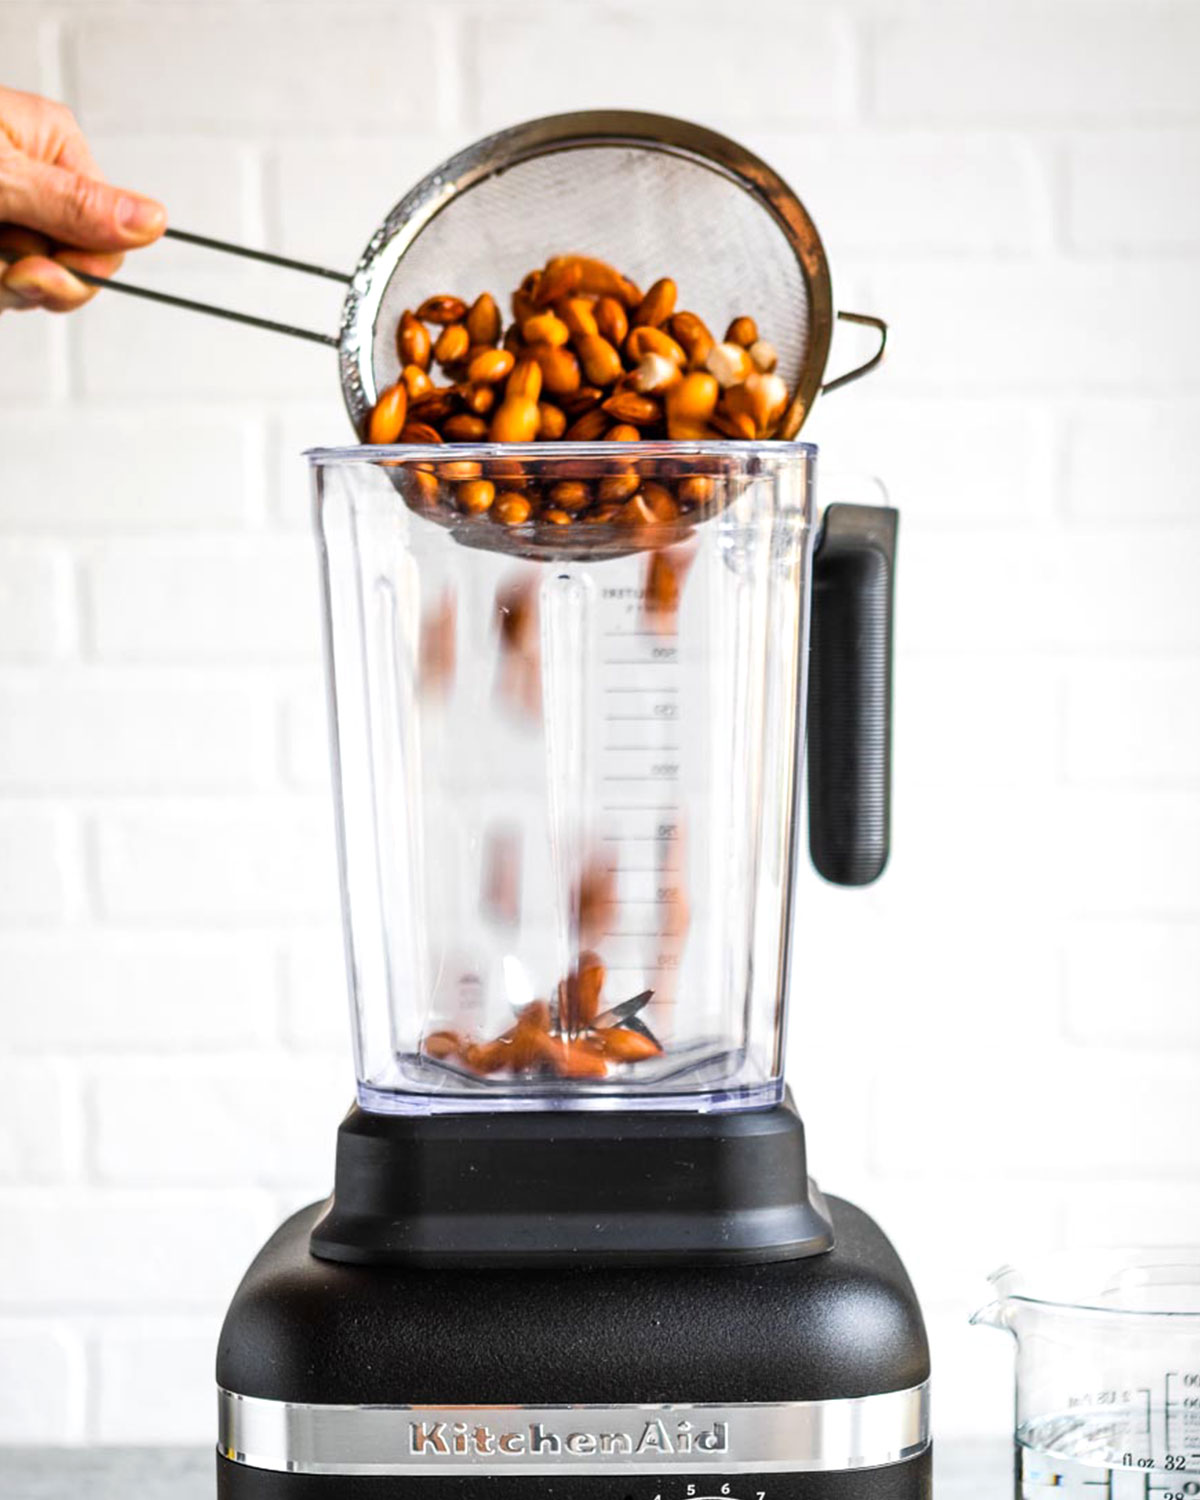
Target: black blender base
[841,1326]
[907,1481]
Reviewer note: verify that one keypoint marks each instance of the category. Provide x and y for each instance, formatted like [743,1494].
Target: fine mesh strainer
[653,195]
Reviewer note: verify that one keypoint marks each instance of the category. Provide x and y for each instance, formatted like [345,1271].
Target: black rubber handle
[850,694]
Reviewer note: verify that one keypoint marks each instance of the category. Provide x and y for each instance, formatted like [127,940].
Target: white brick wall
[1014,187]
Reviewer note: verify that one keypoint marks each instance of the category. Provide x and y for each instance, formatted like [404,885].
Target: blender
[573,1248]
[557,1260]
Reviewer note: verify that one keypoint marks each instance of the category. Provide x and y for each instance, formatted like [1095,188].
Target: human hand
[56,210]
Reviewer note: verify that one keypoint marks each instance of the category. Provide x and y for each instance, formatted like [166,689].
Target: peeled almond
[730,363]
[654,374]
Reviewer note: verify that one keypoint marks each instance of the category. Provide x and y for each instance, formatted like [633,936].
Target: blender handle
[850,693]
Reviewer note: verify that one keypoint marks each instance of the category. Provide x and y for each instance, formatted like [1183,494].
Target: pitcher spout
[996,1314]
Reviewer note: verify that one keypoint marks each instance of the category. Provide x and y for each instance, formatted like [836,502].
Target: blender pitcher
[567,773]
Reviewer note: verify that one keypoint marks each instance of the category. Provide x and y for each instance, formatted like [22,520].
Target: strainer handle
[212,309]
[866,320]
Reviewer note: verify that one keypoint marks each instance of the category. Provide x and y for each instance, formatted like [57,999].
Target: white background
[999,1045]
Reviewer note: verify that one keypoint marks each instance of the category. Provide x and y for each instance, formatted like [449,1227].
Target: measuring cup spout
[998,1314]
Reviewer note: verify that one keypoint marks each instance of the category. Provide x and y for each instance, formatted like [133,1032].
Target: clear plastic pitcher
[567,751]
[1108,1373]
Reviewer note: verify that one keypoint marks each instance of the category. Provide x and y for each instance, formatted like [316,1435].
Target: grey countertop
[965,1471]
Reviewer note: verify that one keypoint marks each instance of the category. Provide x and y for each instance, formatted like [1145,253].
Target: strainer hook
[866,320]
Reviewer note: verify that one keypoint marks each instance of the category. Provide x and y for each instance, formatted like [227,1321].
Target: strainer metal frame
[498,152]
[566,132]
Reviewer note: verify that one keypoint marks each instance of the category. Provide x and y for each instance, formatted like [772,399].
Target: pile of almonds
[587,358]
[565,1043]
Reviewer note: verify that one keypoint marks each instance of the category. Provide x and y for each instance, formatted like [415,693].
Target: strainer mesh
[649,211]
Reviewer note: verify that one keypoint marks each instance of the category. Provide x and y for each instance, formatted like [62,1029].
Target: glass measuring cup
[1108,1373]
[566,760]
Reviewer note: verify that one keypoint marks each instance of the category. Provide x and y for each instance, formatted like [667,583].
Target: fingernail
[141,215]
[30,292]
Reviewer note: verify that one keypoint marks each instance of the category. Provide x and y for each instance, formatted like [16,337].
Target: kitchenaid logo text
[654,1438]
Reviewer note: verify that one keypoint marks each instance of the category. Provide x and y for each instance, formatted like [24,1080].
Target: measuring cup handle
[850,694]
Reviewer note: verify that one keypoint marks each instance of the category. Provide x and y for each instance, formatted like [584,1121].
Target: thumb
[76,210]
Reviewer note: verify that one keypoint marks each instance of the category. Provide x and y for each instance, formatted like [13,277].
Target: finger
[94,262]
[16,240]
[76,155]
[10,302]
[79,211]
[40,282]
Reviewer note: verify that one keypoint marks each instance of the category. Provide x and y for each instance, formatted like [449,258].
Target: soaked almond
[693,399]
[695,489]
[552,422]
[691,334]
[513,508]
[600,360]
[736,425]
[628,406]
[515,420]
[623,432]
[636,512]
[464,427]
[442,1044]
[577,402]
[743,331]
[413,343]
[416,381]
[657,305]
[420,432]
[452,344]
[562,276]
[460,468]
[434,406]
[578,313]
[489,366]
[603,280]
[387,417]
[660,501]
[612,321]
[483,320]
[588,428]
[559,367]
[475,496]
[426,486]
[477,398]
[643,341]
[662,585]
[570,494]
[625,1045]
[545,328]
[525,380]
[487,1057]
[589,986]
[615,489]
[443,310]
[556,517]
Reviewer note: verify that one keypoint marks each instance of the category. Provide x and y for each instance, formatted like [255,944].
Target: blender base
[816,1361]
[912,1480]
